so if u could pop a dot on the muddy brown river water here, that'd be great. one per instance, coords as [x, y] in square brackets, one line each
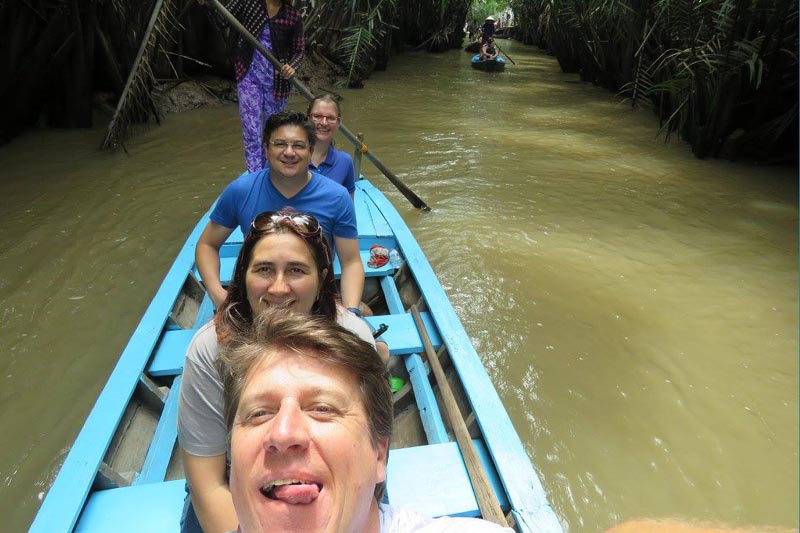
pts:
[636, 308]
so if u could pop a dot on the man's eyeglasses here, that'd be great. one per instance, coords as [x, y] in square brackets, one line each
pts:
[297, 146]
[302, 222]
[319, 118]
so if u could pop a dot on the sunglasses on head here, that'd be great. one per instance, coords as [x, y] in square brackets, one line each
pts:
[271, 219]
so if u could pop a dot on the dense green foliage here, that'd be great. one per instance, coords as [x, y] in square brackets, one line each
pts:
[484, 8]
[59, 53]
[355, 34]
[722, 73]
[436, 25]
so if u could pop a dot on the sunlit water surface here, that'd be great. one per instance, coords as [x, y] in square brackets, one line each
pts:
[635, 307]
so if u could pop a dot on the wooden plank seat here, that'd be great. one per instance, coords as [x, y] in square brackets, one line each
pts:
[369, 272]
[402, 337]
[154, 507]
[431, 480]
[170, 352]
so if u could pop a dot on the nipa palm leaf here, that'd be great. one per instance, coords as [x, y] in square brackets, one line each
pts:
[135, 103]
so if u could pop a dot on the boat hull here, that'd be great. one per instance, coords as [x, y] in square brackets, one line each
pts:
[123, 472]
[497, 64]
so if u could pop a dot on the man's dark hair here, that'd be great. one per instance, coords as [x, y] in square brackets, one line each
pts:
[289, 118]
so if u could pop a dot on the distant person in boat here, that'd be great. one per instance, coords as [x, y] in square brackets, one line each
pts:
[489, 49]
[487, 30]
[309, 411]
[326, 115]
[289, 140]
[285, 263]
[263, 89]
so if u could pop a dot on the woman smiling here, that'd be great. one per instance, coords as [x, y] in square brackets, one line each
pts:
[326, 115]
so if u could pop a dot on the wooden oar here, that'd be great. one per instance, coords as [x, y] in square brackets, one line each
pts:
[487, 501]
[415, 200]
[504, 53]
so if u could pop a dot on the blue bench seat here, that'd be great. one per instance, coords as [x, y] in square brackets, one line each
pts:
[154, 507]
[402, 337]
[431, 480]
[170, 352]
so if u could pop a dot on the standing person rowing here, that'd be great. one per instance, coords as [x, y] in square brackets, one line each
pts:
[263, 89]
[487, 30]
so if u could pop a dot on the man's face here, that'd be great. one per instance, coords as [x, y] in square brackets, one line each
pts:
[301, 456]
[288, 152]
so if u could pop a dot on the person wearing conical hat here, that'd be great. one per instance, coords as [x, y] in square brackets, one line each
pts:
[487, 30]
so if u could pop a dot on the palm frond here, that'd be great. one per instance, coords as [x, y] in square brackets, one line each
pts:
[135, 104]
[359, 40]
[709, 67]
[356, 49]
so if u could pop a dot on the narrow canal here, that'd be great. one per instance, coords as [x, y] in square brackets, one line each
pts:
[635, 307]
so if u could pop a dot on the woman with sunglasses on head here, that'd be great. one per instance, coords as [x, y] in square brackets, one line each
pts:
[285, 262]
[326, 115]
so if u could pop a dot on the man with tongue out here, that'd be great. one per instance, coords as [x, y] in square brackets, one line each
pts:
[309, 413]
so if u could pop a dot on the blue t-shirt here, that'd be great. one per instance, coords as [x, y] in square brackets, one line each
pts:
[337, 166]
[252, 193]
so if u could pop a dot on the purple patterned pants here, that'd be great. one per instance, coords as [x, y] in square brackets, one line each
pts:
[256, 104]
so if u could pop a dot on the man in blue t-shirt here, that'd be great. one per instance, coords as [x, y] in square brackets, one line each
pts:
[288, 142]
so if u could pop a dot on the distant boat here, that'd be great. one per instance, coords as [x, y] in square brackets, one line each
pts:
[124, 473]
[498, 64]
[504, 32]
[473, 47]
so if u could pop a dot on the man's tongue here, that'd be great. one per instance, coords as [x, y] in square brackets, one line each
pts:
[296, 494]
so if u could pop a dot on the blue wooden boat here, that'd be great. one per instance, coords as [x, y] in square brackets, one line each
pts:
[123, 472]
[498, 64]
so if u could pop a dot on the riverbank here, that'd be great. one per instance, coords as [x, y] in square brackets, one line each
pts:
[721, 76]
[210, 91]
